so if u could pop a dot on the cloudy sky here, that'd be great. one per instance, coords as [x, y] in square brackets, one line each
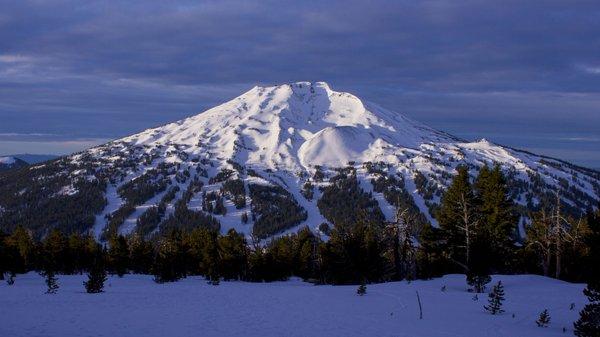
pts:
[521, 73]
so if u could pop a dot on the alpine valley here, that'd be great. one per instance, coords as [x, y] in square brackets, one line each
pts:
[269, 162]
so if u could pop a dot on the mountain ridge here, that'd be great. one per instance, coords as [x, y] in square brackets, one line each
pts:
[275, 150]
[11, 162]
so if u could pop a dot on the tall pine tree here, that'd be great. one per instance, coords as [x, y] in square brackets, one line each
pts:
[496, 215]
[118, 255]
[165, 267]
[458, 218]
[593, 242]
[588, 324]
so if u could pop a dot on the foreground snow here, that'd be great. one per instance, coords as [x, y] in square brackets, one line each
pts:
[136, 306]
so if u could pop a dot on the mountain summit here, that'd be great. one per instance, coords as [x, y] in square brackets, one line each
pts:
[269, 161]
[296, 126]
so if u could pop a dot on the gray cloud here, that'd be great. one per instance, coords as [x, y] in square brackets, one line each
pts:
[104, 69]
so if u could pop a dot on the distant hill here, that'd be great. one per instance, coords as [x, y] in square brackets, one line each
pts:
[34, 158]
[10, 162]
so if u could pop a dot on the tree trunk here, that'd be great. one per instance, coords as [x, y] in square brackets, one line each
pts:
[558, 236]
[466, 229]
[558, 256]
[547, 261]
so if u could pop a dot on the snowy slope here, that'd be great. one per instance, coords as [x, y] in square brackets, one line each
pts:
[281, 135]
[7, 160]
[10, 162]
[136, 306]
[293, 127]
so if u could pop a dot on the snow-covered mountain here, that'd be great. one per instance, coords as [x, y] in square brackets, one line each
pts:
[10, 162]
[272, 151]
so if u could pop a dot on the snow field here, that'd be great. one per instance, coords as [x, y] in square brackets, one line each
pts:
[136, 306]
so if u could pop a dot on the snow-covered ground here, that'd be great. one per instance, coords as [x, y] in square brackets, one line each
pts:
[136, 306]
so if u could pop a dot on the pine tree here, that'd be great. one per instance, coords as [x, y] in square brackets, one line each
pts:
[540, 239]
[588, 324]
[51, 282]
[220, 206]
[96, 277]
[431, 259]
[233, 254]
[457, 217]
[362, 289]
[3, 255]
[497, 216]
[55, 251]
[593, 242]
[210, 257]
[478, 281]
[495, 299]
[118, 255]
[11, 278]
[141, 254]
[400, 249]
[21, 248]
[544, 319]
[478, 275]
[164, 267]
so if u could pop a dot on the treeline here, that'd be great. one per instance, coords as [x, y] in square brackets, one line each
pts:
[44, 196]
[477, 235]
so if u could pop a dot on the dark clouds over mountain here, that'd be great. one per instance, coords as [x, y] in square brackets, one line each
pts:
[526, 74]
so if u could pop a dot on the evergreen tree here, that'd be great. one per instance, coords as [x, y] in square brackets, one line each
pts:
[76, 254]
[592, 240]
[3, 255]
[362, 289]
[10, 280]
[544, 319]
[141, 254]
[51, 282]
[478, 281]
[21, 250]
[210, 257]
[457, 217]
[588, 324]
[354, 254]
[401, 252]
[220, 206]
[118, 255]
[495, 299]
[96, 276]
[91, 250]
[540, 238]
[496, 212]
[431, 259]
[306, 254]
[478, 275]
[55, 251]
[233, 255]
[165, 267]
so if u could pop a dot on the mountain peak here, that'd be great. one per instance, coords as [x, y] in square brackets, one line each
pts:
[270, 154]
[296, 126]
